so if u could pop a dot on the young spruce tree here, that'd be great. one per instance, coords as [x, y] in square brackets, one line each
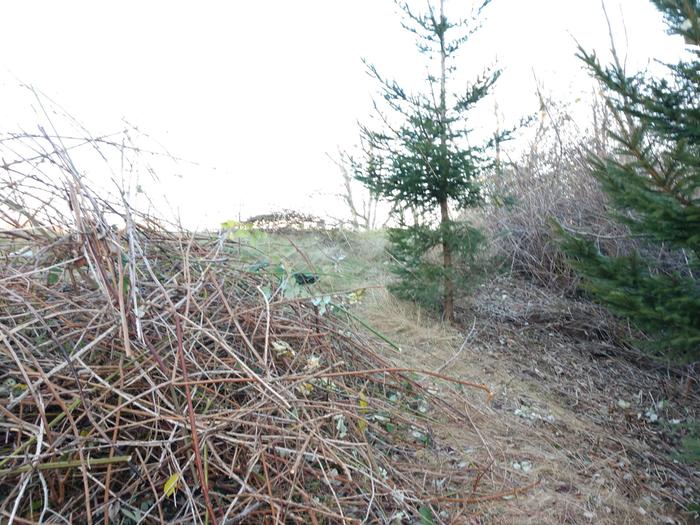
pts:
[423, 164]
[653, 182]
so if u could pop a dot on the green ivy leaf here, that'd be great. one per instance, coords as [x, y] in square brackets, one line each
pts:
[53, 276]
[171, 484]
[426, 516]
[126, 283]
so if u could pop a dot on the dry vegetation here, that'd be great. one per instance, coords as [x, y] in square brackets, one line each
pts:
[550, 182]
[594, 421]
[598, 424]
[150, 375]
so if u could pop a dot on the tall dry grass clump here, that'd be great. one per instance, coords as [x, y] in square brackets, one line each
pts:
[149, 376]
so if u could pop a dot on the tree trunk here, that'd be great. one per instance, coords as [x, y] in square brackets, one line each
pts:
[447, 264]
[444, 210]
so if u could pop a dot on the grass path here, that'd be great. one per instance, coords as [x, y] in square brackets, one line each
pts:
[591, 426]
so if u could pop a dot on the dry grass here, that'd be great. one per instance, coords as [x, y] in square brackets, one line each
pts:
[557, 373]
[558, 368]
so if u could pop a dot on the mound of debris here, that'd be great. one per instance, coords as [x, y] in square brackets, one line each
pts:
[287, 221]
[148, 376]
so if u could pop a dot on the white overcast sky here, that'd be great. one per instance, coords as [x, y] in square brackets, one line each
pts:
[258, 92]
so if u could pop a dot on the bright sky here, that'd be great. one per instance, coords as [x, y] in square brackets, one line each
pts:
[258, 92]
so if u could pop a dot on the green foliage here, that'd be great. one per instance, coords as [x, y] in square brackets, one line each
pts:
[241, 231]
[415, 252]
[424, 161]
[691, 449]
[426, 516]
[653, 183]
[54, 275]
[689, 446]
[419, 171]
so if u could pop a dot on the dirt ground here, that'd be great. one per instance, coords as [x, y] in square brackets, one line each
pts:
[594, 425]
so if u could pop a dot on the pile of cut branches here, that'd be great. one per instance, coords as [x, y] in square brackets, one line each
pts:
[148, 376]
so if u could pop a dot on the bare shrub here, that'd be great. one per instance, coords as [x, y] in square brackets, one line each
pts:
[361, 203]
[549, 182]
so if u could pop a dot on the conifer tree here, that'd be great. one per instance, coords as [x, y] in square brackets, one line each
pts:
[422, 163]
[653, 183]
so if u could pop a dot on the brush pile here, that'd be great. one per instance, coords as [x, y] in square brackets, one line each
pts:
[149, 376]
